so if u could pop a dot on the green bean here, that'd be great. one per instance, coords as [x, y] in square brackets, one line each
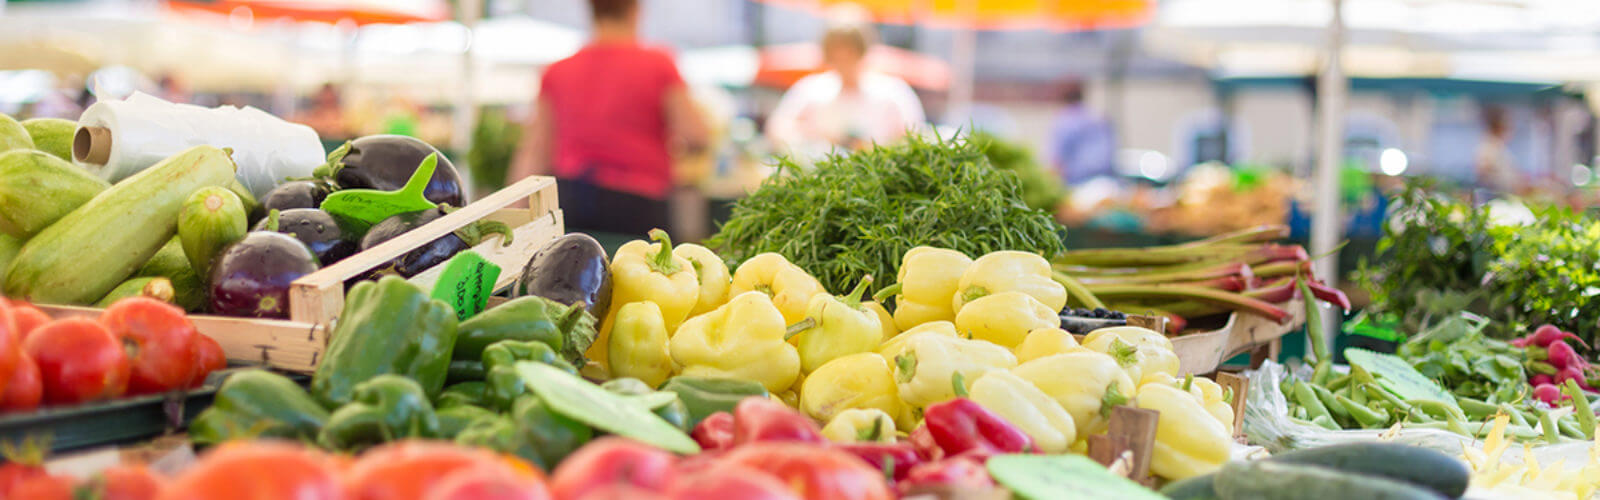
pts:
[1515, 414]
[1547, 423]
[1357, 392]
[1393, 400]
[1339, 382]
[1475, 408]
[1362, 375]
[1315, 334]
[1328, 402]
[1325, 422]
[1367, 417]
[1580, 404]
[1569, 428]
[1300, 413]
[1308, 400]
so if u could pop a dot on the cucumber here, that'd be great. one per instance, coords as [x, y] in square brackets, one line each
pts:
[210, 219]
[188, 289]
[1412, 464]
[1194, 488]
[84, 255]
[37, 189]
[1269, 480]
[146, 286]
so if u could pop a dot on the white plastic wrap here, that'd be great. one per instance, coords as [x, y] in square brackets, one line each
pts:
[145, 130]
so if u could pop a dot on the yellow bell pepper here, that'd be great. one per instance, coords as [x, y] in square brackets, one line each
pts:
[1044, 342]
[1010, 271]
[1138, 350]
[1189, 442]
[743, 339]
[860, 380]
[643, 271]
[926, 371]
[1087, 384]
[1005, 318]
[836, 326]
[711, 272]
[896, 345]
[858, 425]
[926, 281]
[1207, 392]
[788, 285]
[1025, 406]
[885, 320]
[639, 344]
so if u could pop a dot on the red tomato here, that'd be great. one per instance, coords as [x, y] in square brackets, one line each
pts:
[208, 357]
[729, 480]
[14, 472]
[406, 470]
[44, 487]
[257, 470]
[488, 484]
[79, 360]
[160, 341]
[10, 343]
[24, 391]
[28, 317]
[611, 460]
[620, 491]
[130, 482]
[813, 471]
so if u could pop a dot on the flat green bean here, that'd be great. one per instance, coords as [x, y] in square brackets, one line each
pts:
[1329, 402]
[1308, 400]
[1475, 408]
[1580, 405]
[1367, 417]
[1547, 423]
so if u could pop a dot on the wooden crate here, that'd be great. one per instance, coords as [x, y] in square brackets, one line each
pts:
[1200, 353]
[315, 300]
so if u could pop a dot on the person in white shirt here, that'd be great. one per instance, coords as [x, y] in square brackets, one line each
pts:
[846, 107]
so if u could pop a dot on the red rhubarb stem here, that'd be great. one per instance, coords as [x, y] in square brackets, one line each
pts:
[1235, 301]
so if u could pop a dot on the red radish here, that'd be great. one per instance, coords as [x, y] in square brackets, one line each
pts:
[1539, 379]
[1562, 356]
[1548, 393]
[1549, 334]
[1570, 373]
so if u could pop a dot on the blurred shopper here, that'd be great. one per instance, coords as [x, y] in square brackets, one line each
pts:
[1496, 169]
[603, 124]
[846, 106]
[1082, 143]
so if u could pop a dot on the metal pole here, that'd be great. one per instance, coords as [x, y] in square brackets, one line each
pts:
[1326, 220]
[963, 65]
[465, 116]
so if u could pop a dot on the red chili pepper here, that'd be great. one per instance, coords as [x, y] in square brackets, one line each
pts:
[760, 419]
[896, 459]
[926, 447]
[956, 471]
[960, 424]
[715, 432]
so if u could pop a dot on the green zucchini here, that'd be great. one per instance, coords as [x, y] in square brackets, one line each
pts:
[1194, 488]
[81, 257]
[155, 287]
[210, 219]
[1412, 464]
[37, 189]
[1269, 480]
[188, 289]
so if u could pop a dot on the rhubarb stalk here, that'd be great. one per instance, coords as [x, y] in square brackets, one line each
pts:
[1235, 301]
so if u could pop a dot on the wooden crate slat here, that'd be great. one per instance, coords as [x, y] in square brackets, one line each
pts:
[526, 239]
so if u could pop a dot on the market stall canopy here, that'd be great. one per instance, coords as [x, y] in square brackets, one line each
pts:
[782, 65]
[327, 11]
[1002, 14]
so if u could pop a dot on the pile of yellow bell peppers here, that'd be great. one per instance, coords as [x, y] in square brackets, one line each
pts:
[984, 328]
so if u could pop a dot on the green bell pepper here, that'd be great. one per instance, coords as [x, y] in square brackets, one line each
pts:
[462, 394]
[386, 408]
[464, 370]
[387, 326]
[664, 404]
[703, 396]
[258, 403]
[531, 432]
[455, 419]
[504, 385]
[569, 330]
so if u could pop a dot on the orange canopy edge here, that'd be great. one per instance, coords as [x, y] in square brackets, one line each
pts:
[325, 11]
[1068, 15]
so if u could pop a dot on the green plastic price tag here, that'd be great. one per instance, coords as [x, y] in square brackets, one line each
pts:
[466, 283]
[1065, 477]
[1397, 376]
[361, 208]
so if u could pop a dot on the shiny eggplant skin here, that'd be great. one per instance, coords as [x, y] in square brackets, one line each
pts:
[251, 277]
[386, 162]
[572, 268]
[328, 241]
[419, 259]
[295, 194]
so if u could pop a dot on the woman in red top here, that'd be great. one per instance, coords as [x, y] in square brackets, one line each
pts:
[605, 124]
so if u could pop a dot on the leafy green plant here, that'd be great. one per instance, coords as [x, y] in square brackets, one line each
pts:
[1455, 352]
[494, 141]
[1433, 252]
[1041, 188]
[1549, 272]
[855, 214]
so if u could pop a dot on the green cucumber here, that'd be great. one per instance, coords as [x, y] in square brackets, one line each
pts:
[1411, 464]
[1269, 480]
[155, 287]
[210, 219]
[81, 257]
[188, 289]
[1194, 488]
[37, 189]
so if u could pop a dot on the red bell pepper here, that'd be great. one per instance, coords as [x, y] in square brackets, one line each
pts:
[960, 472]
[895, 459]
[761, 419]
[926, 447]
[715, 432]
[612, 461]
[960, 425]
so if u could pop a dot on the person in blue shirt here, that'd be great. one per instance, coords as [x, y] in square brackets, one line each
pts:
[1082, 142]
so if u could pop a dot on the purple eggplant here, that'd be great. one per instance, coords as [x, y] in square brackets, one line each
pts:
[569, 270]
[252, 276]
[295, 194]
[386, 162]
[326, 239]
[418, 259]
